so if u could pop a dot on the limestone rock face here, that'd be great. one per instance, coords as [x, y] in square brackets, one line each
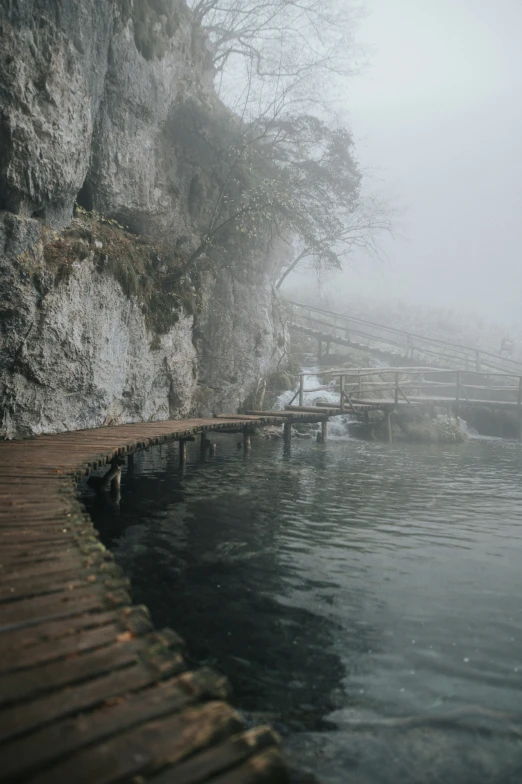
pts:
[78, 354]
[88, 105]
[53, 62]
[134, 173]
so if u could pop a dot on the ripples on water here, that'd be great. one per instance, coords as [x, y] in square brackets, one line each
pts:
[364, 598]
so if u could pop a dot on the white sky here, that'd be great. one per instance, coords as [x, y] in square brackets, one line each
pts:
[437, 117]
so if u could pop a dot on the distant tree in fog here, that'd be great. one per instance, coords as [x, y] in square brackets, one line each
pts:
[280, 38]
[287, 166]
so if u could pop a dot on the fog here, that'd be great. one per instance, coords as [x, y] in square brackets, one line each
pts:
[437, 117]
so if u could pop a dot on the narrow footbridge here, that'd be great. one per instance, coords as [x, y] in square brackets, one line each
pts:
[359, 391]
[389, 343]
[90, 691]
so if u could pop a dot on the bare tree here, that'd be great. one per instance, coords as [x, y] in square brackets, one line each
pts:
[356, 229]
[286, 177]
[277, 42]
[286, 166]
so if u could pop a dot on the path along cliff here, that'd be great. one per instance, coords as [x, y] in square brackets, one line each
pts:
[109, 104]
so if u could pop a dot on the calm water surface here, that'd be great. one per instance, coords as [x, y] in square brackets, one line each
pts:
[364, 598]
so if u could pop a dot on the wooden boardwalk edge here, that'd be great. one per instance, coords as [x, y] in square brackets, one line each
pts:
[90, 691]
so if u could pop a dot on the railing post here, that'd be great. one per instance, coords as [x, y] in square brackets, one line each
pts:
[341, 386]
[324, 430]
[396, 388]
[477, 362]
[301, 390]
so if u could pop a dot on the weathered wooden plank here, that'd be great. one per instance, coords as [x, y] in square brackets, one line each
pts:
[147, 748]
[33, 607]
[268, 766]
[40, 634]
[51, 743]
[30, 683]
[43, 610]
[46, 563]
[99, 562]
[44, 653]
[24, 717]
[224, 757]
[22, 588]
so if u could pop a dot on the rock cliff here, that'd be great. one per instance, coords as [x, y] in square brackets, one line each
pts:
[90, 98]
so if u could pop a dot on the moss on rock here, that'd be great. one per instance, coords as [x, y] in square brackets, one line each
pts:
[141, 266]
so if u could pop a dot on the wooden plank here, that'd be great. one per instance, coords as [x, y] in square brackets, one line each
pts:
[110, 592]
[147, 748]
[224, 757]
[24, 717]
[315, 409]
[40, 634]
[30, 567]
[41, 610]
[268, 766]
[49, 577]
[31, 752]
[30, 683]
[44, 653]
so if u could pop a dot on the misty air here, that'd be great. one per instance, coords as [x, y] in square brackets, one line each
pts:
[260, 392]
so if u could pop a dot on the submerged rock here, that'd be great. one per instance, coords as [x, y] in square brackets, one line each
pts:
[441, 429]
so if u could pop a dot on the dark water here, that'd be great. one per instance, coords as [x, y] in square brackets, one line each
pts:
[364, 598]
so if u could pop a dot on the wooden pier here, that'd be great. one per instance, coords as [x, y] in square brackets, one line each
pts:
[90, 691]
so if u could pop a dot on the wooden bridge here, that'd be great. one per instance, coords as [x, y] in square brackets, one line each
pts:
[389, 343]
[90, 691]
[361, 390]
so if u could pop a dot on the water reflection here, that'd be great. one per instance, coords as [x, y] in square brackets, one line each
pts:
[363, 597]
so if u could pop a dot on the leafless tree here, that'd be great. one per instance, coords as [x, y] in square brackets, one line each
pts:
[286, 166]
[286, 177]
[278, 42]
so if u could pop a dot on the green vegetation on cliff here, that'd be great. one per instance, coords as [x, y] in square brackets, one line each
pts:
[142, 267]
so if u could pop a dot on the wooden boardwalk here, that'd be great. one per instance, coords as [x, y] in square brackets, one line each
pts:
[90, 691]
[358, 390]
[389, 342]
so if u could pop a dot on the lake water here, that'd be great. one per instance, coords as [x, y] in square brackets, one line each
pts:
[364, 598]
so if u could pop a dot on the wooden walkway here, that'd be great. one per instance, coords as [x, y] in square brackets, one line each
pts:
[388, 342]
[358, 390]
[90, 691]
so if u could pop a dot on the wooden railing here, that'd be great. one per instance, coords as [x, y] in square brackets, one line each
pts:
[357, 388]
[342, 328]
